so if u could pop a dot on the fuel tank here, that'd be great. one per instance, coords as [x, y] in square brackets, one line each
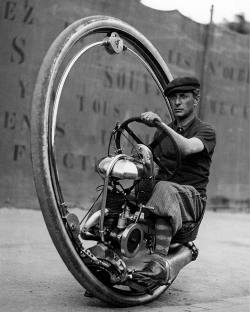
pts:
[122, 169]
[129, 167]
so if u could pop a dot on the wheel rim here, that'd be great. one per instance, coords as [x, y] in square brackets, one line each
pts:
[153, 66]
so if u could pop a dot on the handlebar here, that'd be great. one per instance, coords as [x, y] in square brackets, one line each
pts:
[158, 124]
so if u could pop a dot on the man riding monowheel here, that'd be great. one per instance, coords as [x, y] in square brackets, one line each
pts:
[180, 202]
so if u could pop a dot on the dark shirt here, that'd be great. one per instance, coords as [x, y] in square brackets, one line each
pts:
[194, 168]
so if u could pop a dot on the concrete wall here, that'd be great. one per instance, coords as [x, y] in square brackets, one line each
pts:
[117, 88]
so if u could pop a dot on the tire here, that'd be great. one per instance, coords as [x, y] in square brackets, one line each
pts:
[48, 190]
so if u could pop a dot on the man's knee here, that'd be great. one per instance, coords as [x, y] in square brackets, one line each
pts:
[165, 186]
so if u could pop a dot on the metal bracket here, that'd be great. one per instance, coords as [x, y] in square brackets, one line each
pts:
[73, 224]
[194, 249]
[114, 44]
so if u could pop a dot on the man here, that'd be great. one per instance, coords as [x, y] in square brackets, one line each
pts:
[182, 199]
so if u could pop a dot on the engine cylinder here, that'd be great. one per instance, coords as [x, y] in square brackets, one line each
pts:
[131, 239]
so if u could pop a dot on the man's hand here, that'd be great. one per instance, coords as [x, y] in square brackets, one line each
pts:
[151, 119]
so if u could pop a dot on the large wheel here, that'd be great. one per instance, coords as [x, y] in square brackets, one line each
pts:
[46, 100]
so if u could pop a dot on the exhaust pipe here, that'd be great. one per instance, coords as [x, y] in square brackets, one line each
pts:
[177, 259]
[91, 221]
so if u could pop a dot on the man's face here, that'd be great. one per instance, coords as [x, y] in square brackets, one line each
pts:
[182, 103]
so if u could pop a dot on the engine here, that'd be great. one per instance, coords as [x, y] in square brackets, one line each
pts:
[122, 229]
[117, 224]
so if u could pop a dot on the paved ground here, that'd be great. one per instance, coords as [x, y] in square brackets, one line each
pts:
[34, 278]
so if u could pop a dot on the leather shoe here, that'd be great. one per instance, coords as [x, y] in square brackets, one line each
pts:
[155, 272]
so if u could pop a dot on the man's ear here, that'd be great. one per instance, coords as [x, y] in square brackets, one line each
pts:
[196, 100]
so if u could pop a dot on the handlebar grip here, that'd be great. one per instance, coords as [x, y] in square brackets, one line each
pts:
[139, 119]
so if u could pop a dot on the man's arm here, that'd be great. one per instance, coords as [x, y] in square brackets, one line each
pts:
[186, 146]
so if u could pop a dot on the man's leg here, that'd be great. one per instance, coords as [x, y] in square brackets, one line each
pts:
[163, 235]
[171, 203]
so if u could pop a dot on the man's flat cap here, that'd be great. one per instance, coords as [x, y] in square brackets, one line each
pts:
[182, 84]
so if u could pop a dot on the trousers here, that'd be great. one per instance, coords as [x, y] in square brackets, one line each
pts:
[178, 203]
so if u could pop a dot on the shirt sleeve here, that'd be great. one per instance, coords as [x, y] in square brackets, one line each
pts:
[207, 135]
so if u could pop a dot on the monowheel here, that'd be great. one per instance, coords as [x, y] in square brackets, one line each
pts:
[114, 37]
